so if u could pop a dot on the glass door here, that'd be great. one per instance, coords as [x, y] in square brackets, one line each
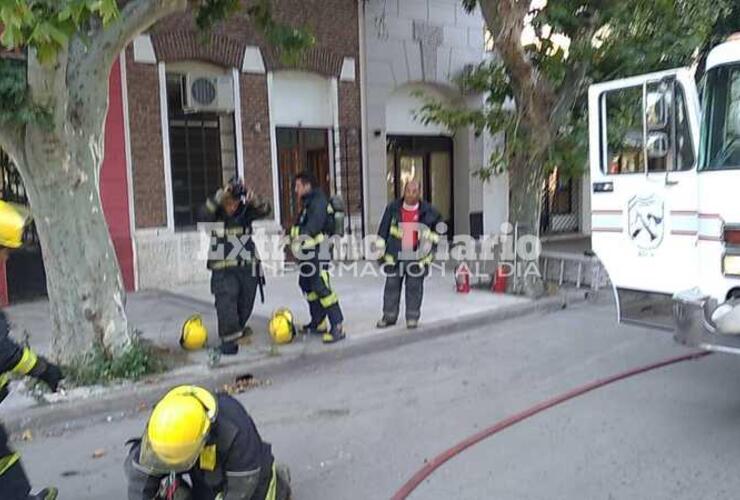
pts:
[427, 160]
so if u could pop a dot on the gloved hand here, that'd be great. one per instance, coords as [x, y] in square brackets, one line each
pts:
[48, 372]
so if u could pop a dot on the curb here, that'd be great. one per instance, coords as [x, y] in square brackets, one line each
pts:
[124, 401]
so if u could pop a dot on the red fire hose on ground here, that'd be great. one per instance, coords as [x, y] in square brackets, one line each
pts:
[432, 465]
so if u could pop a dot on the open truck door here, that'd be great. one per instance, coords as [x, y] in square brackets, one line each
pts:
[643, 136]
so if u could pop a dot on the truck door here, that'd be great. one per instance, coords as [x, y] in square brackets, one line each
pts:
[643, 137]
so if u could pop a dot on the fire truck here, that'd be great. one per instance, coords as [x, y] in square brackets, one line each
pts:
[665, 180]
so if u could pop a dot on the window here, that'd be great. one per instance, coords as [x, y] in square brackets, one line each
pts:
[624, 145]
[720, 142]
[648, 110]
[196, 155]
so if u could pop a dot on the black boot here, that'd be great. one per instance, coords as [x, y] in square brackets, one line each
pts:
[335, 335]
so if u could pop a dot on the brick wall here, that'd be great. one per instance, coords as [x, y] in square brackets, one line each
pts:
[334, 23]
[146, 144]
[256, 134]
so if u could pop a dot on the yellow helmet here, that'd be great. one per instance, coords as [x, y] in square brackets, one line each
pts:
[13, 222]
[178, 429]
[194, 333]
[281, 327]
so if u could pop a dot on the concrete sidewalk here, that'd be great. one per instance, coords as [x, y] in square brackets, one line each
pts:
[158, 315]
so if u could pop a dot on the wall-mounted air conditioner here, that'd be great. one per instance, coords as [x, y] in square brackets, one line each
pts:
[208, 93]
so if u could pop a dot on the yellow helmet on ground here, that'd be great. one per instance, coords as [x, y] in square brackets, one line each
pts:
[13, 222]
[194, 333]
[178, 429]
[282, 327]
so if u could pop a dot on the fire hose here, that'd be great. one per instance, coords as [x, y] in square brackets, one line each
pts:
[432, 465]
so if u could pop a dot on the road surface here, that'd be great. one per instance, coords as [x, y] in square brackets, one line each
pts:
[358, 428]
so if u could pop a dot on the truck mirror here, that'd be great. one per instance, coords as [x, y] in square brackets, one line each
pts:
[657, 145]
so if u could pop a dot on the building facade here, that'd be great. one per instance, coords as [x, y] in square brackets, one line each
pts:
[205, 108]
[189, 111]
[412, 51]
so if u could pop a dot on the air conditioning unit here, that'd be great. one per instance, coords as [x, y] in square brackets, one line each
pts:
[208, 93]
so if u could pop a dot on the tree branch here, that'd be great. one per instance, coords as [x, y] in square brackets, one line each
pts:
[136, 17]
[90, 62]
[575, 76]
[534, 95]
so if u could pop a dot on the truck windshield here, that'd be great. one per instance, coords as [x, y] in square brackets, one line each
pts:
[720, 131]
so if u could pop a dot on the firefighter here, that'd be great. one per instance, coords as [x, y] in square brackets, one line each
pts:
[18, 360]
[235, 267]
[211, 439]
[311, 247]
[407, 235]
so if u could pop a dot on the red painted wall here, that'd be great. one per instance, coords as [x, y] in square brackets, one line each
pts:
[114, 182]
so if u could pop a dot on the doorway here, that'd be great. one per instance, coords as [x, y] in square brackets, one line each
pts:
[427, 160]
[300, 149]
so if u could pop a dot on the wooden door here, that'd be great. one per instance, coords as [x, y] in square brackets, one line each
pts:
[300, 150]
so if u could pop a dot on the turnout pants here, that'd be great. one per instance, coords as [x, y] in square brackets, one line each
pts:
[14, 483]
[235, 290]
[315, 284]
[413, 274]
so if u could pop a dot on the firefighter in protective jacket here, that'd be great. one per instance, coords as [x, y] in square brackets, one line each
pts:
[21, 361]
[236, 273]
[311, 248]
[407, 234]
[211, 439]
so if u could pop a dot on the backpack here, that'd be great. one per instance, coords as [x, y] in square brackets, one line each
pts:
[335, 218]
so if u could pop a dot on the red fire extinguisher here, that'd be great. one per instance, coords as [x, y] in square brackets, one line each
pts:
[462, 278]
[499, 281]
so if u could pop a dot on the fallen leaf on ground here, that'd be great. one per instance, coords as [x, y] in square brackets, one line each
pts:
[99, 453]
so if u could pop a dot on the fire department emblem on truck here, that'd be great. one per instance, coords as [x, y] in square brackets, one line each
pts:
[646, 217]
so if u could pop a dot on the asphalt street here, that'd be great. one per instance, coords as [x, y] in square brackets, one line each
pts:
[357, 428]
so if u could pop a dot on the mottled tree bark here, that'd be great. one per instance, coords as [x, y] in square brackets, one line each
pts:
[60, 165]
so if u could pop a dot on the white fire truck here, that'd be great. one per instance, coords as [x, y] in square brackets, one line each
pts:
[665, 177]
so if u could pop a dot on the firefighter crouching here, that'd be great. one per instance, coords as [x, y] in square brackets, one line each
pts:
[236, 272]
[407, 235]
[18, 360]
[312, 229]
[211, 439]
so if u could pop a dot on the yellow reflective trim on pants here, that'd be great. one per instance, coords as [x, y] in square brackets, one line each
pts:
[294, 231]
[7, 462]
[396, 232]
[380, 243]
[27, 362]
[4, 379]
[329, 300]
[388, 259]
[272, 488]
[427, 260]
[312, 296]
[325, 278]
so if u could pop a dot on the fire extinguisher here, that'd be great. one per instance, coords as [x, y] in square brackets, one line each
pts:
[499, 282]
[462, 278]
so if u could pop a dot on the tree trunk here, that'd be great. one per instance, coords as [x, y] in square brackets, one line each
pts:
[60, 166]
[526, 177]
